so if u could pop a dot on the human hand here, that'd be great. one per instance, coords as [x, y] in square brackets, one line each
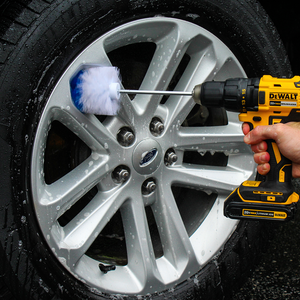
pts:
[287, 138]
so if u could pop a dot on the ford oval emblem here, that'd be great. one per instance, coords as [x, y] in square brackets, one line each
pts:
[148, 157]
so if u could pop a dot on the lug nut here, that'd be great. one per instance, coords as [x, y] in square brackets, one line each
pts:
[125, 136]
[170, 157]
[156, 126]
[120, 174]
[148, 187]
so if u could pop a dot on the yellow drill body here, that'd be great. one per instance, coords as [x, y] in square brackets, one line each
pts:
[277, 99]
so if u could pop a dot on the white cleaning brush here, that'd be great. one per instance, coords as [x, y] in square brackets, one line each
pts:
[91, 92]
[96, 90]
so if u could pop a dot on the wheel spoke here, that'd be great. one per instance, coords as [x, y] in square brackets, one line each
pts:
[230, 143]
[81, 232]
[141, 260]
[56, 198]
[88, 128]
[209, 63]
[216, 179]
[197, 138]
[169, 52]
[175, 240]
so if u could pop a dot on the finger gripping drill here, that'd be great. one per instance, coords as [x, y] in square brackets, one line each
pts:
[260, 101]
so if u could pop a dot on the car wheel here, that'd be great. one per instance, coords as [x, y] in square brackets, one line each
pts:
[102, 207]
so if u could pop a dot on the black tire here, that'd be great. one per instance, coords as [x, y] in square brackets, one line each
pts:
[38, 41]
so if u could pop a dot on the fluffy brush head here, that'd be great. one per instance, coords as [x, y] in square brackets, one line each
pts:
[92, 93]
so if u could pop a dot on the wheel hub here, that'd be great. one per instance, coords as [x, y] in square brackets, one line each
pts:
[147, 156]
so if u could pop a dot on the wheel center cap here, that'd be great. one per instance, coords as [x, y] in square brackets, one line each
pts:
[147, 156]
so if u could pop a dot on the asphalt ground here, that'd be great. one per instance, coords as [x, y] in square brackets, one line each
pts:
[277, 276]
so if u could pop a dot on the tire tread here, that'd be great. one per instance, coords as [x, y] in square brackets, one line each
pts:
[16, 17]
[4, 292]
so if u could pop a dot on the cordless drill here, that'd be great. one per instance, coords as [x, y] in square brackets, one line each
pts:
[260, 101]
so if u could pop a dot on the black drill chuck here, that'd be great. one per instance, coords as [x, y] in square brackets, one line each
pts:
[237, 95]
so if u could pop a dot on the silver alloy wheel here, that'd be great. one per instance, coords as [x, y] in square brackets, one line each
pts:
[184, 250]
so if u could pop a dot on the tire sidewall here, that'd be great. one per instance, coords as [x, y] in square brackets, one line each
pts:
[45, 51]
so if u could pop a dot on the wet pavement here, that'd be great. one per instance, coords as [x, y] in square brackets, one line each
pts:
[277, 276]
